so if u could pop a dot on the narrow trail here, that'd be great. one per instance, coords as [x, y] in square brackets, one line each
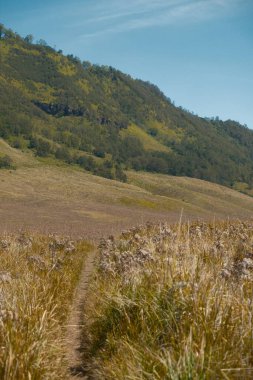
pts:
[76, 321]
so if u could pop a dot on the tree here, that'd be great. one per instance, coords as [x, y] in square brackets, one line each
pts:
[8, 33]
[29, 39]
[86, 64]
[42, 42]
[157, 164]
[43, 148]
[2, 31]
[119, 174]
[88, 163]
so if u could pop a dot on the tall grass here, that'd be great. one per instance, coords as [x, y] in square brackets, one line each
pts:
[37, 277]
[175, 303]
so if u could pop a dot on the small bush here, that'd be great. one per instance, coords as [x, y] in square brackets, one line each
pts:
[99, 153]
[43, 148]
[6, 162]
[88, 163]
[63, 154]
[18, 143]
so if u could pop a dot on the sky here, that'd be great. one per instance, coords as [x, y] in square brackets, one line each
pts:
[198, 52]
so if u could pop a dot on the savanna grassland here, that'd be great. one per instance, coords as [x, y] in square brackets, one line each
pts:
[86, 152]
[169, 301]
[134, 331]
[174, 302]
[48, 196]
[38, 277]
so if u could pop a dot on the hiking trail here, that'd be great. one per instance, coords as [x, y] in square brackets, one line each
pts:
[76, 321]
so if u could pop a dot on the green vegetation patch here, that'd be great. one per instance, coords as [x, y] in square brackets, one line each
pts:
[67, 69]
[44, 92]
[165, 133]
[84, 84]
[148, 141]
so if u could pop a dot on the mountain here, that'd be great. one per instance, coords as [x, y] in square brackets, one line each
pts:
[107, 123]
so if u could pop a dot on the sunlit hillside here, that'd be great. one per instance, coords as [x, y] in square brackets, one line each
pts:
[106, 122]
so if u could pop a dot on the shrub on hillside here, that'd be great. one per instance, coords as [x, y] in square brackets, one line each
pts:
[88, 163]
[42, 147]
[63, 154]
[6, 162]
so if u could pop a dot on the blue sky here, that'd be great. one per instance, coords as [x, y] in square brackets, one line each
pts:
[199, 52]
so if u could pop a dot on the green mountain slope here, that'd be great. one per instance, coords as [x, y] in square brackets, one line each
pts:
[107, 122]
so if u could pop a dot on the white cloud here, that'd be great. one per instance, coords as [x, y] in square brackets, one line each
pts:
[114, 16]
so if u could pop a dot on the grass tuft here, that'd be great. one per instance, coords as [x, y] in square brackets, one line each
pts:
[37, 279]
[175, 303]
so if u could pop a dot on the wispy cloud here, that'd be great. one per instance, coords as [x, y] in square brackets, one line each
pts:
[115, 16]
[118, 9]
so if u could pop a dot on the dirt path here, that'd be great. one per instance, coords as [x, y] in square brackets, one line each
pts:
[76, 322]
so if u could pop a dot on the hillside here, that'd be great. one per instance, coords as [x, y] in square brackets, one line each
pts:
[108, 123]
[47, 195]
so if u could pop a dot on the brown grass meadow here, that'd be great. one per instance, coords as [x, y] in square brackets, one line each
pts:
[48, 196]
[37, 281]
[174, 302]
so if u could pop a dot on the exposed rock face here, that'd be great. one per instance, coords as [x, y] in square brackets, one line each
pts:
[60, 109]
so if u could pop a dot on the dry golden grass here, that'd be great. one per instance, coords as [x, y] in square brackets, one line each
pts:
[49, 196]
[175, 302]
[172, 302]
[37, 278]
[196, 195]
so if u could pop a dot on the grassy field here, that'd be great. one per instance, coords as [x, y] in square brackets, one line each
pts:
[174, 302]
[46, 195]
[171, 302]
[37, 279]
